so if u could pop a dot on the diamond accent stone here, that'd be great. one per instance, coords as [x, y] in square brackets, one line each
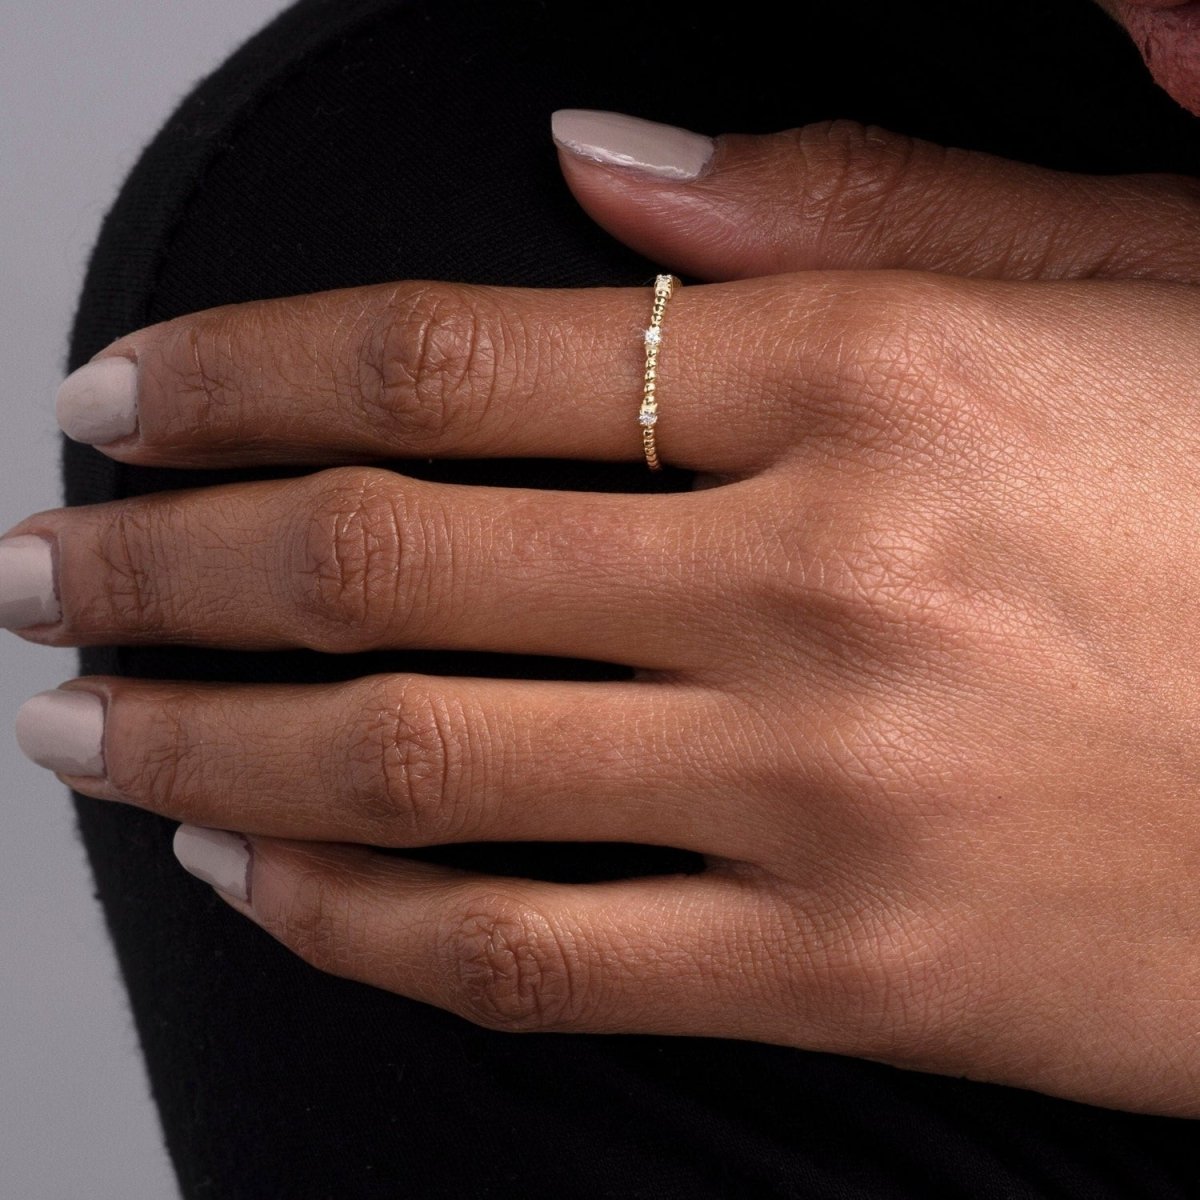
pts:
[653, 335]
[647, 417]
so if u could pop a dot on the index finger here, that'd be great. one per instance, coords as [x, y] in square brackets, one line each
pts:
[440, 370]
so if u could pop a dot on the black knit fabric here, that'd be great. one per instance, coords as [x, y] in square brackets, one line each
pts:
[356, 141]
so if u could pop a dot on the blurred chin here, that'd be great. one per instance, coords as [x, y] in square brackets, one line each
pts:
[1167, 32]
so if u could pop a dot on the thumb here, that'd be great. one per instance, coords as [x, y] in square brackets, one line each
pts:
[842, 195]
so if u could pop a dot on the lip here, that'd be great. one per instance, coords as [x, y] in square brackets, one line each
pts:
[1157, 16]
[1168, 35]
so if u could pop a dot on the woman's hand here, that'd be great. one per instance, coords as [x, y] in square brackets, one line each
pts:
[920, 676]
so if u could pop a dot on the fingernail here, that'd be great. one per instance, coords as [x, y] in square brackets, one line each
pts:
[219, 858]
[616, 140]
[98, 403]
[27, 592]
[63, 731]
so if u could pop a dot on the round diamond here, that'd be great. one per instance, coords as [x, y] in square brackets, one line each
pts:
[647, 417]
[653, 335]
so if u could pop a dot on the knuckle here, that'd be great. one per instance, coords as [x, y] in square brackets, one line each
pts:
[312, 922]
[877, 584]
[432, 360]
[152, 772]
[890, 979]
[850, 171]
[138, 592]
[406, 772]
[897, 372]
[355, 544]
[511, 969]
[197, 358]
[883, 761]
[162, 773]
[921, 974]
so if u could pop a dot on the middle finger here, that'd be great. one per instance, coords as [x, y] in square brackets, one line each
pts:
[360, 558]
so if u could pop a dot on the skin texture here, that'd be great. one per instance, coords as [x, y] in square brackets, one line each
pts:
[916, 673]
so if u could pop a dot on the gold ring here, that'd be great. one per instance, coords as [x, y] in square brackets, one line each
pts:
[664, 288]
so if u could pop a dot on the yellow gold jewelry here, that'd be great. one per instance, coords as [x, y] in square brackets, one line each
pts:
[664, 289]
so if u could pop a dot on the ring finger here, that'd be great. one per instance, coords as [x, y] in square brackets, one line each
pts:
[450, 371]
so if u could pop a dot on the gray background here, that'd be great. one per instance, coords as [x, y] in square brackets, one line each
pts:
[83, 86]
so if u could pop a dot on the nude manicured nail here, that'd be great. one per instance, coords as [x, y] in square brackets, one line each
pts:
[27, 593]
[616, 140]
[219, 858]
[63, 731]
[98, 403]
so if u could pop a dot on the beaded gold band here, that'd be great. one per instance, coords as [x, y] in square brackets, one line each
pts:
[664, 289]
